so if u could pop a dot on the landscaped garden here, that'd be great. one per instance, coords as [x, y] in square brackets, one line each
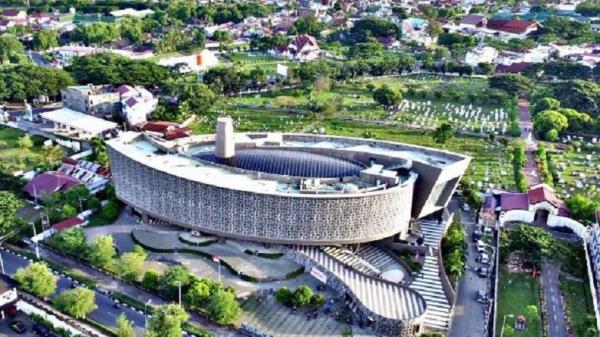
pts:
[19, 152]
[516, 291]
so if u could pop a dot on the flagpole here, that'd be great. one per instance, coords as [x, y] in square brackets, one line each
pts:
[219, 271]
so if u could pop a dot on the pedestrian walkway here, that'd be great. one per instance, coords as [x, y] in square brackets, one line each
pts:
[427, 282]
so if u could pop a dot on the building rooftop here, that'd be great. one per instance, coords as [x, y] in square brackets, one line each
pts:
[78, 120]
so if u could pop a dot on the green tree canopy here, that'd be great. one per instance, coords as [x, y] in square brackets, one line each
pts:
[387, 96]
[130, 265]
[9, 205]
[9, 47]
[546, 103]
[166, 321]
[37, 279]
[308, 25]
[533, 243]
[45, 39]
[443, 133]
[124, 327]
[76, 302]
[513, 84]
[223, 307]
[102, 250]
[583, 208]
[131, 29]
[96, 33]
[548, 120]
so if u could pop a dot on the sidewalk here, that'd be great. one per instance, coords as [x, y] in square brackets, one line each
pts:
[109, 283]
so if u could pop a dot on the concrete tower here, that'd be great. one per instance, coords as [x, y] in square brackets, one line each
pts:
[225, 144]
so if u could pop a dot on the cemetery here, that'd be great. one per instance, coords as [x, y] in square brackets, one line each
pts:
[576, 169]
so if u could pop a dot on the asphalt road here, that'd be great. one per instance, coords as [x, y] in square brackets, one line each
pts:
[468, 315]
[106, 313]
[550, 281]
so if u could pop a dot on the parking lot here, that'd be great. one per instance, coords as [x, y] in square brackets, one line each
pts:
[6, 330]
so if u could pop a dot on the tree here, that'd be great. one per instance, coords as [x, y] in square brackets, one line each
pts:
[68, 211]
[224, 38]
[302, 296]
[76, 302]
[166, 321]
[308, 25]
[25, 142]
[284, 295]
[199, 98]
[583, 208]
[174, 277]
[434, 28]
[546, 103]
[151, 279]
[365, 29]
[579, 95]
[45, 39]
[443, 133]
[130, 265]
[199, 292]
[532, 313]
[131, 29]
[124, 327]
[549, 120]
[99, 151]
[95, 34]
[508, 330]
[52, 155]
[223, 307]
[110, 211]
[9, 205]
[37, 279]
[532, 242]
[513, 84]
[9, 47]
[102, 250]
[387, 96]
[589, 8]
[72, 240]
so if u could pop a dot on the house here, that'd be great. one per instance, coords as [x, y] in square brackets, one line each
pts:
[39, 19]
[414, 29]
[301, 48]
[6, 24]
[595, 24]
[510, 29]
[74, 124]
[131, 12]
[48, 183]
[71, 222]
[166, 130]
[472, 21]
[480, 54]
[91, 99]
[17, 16]
[137, 104]
[8, 296]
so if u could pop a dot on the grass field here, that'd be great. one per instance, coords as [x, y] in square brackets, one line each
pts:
[578, 301]
[251, 60]
[12, 157]
[515, 292]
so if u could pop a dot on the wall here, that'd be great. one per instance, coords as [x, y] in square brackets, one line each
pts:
[347, 218]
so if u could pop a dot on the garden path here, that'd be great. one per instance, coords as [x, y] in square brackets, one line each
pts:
[531, 169]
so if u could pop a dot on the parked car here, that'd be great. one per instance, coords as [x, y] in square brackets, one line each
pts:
[483, 272]
[476, 235]
[483, 258]
[480, 246]
[482, 296]
[466, 207]
[40, 330]
[18, 326]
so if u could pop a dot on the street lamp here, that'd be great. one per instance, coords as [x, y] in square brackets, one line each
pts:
[145, 316]
[179, 286]
[37, 247]
[504, 322]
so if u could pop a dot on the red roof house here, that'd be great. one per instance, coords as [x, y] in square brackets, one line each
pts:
[68, 223]
[48, 183]
[516, 27]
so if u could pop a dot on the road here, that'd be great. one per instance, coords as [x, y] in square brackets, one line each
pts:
[555, 319]
[468, 316]
[526, 126]
[106, 313]
[113, 284]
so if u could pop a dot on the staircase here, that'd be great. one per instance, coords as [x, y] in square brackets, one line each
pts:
[427, 282]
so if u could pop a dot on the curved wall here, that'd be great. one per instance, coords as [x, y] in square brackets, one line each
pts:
[278, 217]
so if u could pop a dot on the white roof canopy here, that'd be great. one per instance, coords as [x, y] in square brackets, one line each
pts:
[79, 121]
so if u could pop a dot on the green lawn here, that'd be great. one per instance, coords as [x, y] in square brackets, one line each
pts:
[578, 302]
[517, 291]
[13, 158]
[251, 60]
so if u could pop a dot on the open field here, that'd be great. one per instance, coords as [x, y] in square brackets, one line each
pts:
[252, 60]
[517, 291]
[12, 157]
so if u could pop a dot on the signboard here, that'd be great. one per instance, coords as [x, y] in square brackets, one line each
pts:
[282, 70]
[318, 275]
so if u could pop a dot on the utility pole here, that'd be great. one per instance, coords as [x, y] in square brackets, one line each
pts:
[179, 286]
[37, 247]
[145, 315]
